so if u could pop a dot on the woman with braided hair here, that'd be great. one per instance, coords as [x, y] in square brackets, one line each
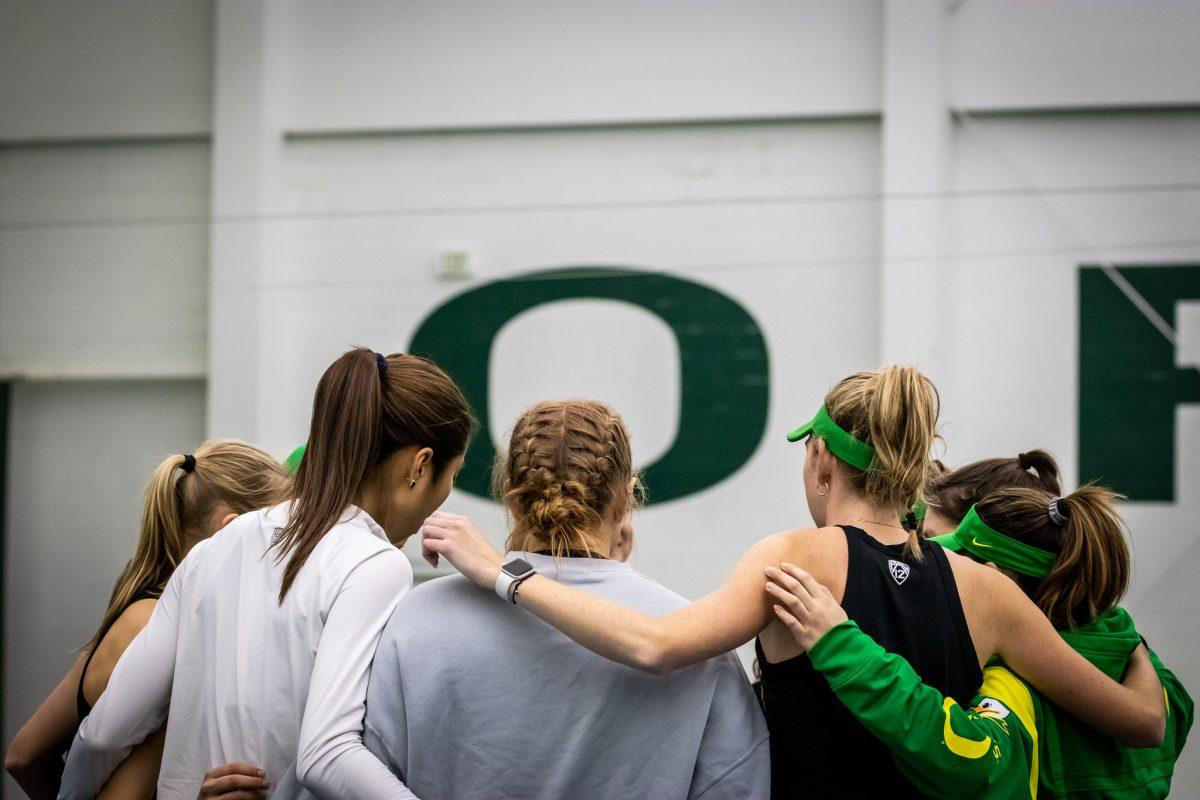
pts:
[867, 463]
[470, 698]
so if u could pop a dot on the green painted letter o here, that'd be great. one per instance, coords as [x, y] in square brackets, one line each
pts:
[724, 371]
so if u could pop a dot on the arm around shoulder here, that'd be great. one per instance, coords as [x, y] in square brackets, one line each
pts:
[717, 623]
[1133, 713]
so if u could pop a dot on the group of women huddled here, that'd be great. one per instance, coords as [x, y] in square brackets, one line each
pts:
[934, 633]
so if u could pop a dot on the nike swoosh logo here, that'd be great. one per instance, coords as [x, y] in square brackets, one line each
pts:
[978, 543]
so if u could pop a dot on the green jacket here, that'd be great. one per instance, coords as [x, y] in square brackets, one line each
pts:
[1011, 742]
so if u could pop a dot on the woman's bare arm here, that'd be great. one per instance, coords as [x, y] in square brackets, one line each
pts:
[34, 756]
[715, 624]
[1133, 713]
[137, 776]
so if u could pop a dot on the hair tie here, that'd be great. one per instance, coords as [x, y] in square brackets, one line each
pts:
[1056, 516]
[381, 362]
[1023, 460]
[189, 463]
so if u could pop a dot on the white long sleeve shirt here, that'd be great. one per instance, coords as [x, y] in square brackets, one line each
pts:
[240, 677]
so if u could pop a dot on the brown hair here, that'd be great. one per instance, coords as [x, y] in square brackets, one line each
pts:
[1091, 571]
[177, 506]
[895, 411]
[363, 412]
[953, 493]
[566, 468]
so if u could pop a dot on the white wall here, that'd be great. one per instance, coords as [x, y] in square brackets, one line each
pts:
[104, 259]
[370, 65]
[799, 156]
[1073, 53]
[74, 69]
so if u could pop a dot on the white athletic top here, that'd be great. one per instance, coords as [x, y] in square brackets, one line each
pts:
[247, 679]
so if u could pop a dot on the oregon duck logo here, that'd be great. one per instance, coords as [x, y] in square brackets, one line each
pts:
[899, 571]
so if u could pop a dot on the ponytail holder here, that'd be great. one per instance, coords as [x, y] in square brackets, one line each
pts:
[189, 463]
[381, 363]
[1056, 516]
[1023, 460]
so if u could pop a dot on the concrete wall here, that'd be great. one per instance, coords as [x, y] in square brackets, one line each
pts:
[871, 181]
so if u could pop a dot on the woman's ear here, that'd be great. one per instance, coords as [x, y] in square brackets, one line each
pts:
[825, 463]
[421, 460]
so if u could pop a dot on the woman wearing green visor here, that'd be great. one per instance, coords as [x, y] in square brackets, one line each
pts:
[866, 462]
[1069, 555]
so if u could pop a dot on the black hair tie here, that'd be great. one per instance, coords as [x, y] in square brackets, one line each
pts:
[189, 462]
[1023, 460]
[381, 362]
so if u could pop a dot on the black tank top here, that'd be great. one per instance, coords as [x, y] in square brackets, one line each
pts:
[81, 704]
[910, 607]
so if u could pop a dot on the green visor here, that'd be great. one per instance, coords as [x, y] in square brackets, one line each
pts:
[988, 544]
[292, 462]
[854, 452]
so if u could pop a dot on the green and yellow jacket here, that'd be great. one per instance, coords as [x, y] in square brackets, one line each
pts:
[1011, 742]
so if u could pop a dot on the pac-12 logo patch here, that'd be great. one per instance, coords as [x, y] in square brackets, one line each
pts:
[899, 571]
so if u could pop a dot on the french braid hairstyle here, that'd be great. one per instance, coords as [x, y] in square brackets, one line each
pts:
[567, 470]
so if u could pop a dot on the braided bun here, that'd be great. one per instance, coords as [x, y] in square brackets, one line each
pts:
[564, 474]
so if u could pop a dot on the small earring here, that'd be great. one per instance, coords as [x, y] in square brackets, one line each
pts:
[824, 492]
[412, 484]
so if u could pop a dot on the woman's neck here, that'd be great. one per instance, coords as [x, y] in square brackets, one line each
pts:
[592, 542]
[880, 522]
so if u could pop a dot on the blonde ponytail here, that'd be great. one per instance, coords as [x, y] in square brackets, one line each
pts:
[178, 504]
[896, 412]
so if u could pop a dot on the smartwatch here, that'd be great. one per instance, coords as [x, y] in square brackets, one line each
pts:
[511, 576]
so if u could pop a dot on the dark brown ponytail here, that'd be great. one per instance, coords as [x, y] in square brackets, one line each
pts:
[365, 409]
[1091, 568]
[953, 493]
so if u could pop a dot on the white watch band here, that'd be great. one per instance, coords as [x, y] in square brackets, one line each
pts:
[503, 582]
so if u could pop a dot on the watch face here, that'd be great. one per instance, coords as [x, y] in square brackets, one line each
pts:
[518, 567]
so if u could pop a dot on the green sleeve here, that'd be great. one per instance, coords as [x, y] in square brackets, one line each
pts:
[944, 750]
[1180, 708]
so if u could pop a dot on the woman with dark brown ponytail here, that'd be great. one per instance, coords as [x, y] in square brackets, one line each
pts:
[952, 493]
[261, 643]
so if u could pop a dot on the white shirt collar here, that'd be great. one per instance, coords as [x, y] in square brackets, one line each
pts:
[354, 513]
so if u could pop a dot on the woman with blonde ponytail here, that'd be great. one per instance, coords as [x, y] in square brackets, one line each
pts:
[1070, 557]
[262, 640]
[867, 463]
[189, 498]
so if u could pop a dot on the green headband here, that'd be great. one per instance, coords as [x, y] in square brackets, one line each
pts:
[854, 452]
[977, 538]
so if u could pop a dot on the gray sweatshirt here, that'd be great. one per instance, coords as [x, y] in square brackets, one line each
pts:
[473, 698]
